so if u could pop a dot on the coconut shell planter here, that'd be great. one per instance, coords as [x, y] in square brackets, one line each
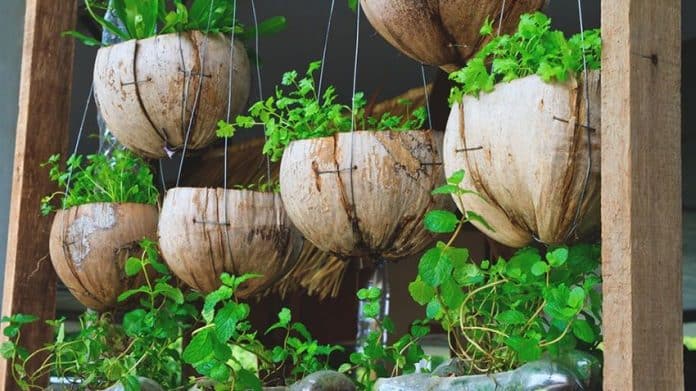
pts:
[444, 33]
[150, 91]
[363, 195]
[90, 244]
[524, 148]
[205, 232]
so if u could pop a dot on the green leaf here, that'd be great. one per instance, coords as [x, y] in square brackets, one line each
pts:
[353, 4]
[487, 28]
[440, 221]
[130, 383]
[369, 293]
[557, 257]
[432, 311]
[85, 39]
[226, 321]
[371, 309]
[452, 294]
[540, 268]
[212, 299]
[583, 331]
[247, 381]
[200, 347]
[527, 349]
[433, 268]
[284, 316]
[220, 373]
[511, 317]
[476, 218]
[421, 292]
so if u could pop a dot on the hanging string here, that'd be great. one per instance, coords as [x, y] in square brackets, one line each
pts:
[353, 124]
[500, 22]
[228, 116]
[258, 73]
[427, 96]
[198, 92]
[586, 85]
[161, 175]
[323, 54]
[79, 135]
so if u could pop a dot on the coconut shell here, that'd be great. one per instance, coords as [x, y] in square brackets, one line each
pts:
[524, 148]
[147, 90]
[390, 186]
[89, 245]
[200, 238]
[443, 33]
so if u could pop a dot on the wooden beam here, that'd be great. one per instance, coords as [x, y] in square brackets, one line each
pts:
[641, 194]
[42, 130]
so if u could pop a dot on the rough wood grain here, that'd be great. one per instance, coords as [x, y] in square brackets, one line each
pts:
[205, 232]
[641, 195]
[524, 148]
[444, 33]
[147, 90]
[42, 130]
[90, 244]
[370, 205]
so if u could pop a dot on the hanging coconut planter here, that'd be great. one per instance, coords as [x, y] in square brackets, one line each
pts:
[89, 245]
[205, 232]
[151, 91]
[363, 194]
[443, 33]
[525, 149]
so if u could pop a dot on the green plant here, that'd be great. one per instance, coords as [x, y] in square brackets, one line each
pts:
[120, 177]
[504, 313]
[296, 112]
[377, 359]
[147, 343]
[533, 49]
[690, 343]
[227, 351]
[147, 18]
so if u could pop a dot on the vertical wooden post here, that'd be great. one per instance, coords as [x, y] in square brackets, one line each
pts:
[42, 130]
[641, 195]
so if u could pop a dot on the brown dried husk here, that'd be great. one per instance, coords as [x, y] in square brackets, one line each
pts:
[374, 210]
[524, 148]
[148, 90]
[200, 238]
[443, 33]
[89, 245]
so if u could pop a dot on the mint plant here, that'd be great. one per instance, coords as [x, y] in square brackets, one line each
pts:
[502, 314]
[120, 177]
[533, 49]
[296, 112]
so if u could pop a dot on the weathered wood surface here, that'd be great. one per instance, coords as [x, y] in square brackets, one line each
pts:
[524, 148]
[90, 244]
[205, 232]
[444, 33]
[641, 195]
[42, 130]
[148, 90]
[371, 204]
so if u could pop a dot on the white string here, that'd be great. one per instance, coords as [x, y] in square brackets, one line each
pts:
[427, 97]
[79, 136]
[229, 98]
[258, 72]
[500, 22]
[352, 126]
[323, 55]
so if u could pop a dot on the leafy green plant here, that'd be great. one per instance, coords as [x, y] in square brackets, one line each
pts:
[502, 314]
[147, 343]
[120, 177]
[227, 351]
[296, 112]
[377, 359]
[533, 49]
[147, 18]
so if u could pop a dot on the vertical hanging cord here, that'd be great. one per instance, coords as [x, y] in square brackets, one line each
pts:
[198, 93]
[353, 124]
[323, 54]
[229, 95]
[258, 72]
[500, 22]
[427, 96]
[79, 135]
[586, 85]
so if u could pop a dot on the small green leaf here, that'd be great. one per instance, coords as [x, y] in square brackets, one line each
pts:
[421, 292]
[456, 178]
[583, 331]
[200, 347]
[433, 268]
[432, 311]
[540, 268]
[511, 317]
[527, 349]
[557, 257]
[441, 221]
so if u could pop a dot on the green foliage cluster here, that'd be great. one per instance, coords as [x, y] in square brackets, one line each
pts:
[296, 112]
[533, 49]
[502, 314]
[377, 359]
[147, 18]
[119, 177]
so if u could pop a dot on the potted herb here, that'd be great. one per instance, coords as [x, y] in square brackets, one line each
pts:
[107, 205]
[442, 33]
[519, 126]
[175, 73]
[357, 194]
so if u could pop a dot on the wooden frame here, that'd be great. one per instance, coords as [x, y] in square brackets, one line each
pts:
[641, 184]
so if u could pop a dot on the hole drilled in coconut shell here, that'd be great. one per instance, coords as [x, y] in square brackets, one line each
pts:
[200, 238]
[90, 244]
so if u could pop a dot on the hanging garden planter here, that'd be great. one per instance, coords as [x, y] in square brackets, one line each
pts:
[205, 232]
[442, 33]
[152, 92]
[530, 147]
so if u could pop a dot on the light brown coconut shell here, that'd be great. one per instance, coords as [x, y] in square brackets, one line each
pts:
[199, 242]
[147, 90]
[524, 149]
[393, 176]
[443, 33]
[89, 246]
